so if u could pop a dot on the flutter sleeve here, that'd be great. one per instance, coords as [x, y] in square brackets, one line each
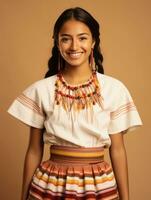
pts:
[124, 116]
[28, 107]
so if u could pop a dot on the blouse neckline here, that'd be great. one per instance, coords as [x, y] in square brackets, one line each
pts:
[88, 81]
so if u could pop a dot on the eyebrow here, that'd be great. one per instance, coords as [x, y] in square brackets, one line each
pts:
[80, 34]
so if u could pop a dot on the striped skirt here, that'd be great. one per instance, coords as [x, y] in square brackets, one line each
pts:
[74, 174]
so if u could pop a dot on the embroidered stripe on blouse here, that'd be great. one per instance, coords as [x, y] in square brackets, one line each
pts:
[26, 101]
[123, 110]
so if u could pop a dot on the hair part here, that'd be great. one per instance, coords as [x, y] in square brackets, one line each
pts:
[81, 15]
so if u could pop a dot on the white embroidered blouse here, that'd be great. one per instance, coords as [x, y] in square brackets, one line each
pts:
[88, 127]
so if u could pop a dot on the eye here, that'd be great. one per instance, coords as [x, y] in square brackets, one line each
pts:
[83, 38]
[65, 39]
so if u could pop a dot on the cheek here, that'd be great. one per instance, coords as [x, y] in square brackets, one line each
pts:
[87, 46]
[62, 50]
[63, 47]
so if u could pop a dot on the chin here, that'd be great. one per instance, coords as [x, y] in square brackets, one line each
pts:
[74, 64]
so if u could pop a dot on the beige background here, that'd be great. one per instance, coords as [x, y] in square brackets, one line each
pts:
[25, 41]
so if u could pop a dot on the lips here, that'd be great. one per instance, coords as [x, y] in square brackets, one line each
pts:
[75, 55]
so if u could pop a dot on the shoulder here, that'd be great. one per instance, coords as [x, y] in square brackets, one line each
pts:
[41, 87]
[114, 91]
[44, 83]
[110, 82]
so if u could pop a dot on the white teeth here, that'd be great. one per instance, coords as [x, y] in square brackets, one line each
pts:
[75, 55]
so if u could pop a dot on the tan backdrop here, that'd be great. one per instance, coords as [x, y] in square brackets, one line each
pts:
[26, 31]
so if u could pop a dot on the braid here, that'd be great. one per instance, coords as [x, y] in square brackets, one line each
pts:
[98, 57]
[53, 62]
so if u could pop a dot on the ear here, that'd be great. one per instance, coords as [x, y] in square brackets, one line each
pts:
[93, 43]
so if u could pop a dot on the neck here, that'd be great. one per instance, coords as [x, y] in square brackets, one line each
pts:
[77, 74]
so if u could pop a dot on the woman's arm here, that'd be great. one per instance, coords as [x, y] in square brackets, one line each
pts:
[32, 159]
[119, 164]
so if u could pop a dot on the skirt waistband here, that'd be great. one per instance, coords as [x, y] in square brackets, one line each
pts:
[77, 155]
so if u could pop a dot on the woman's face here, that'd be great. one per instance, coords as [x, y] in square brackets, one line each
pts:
[75, 43]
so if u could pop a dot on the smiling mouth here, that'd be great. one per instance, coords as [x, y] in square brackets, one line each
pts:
[75, 54]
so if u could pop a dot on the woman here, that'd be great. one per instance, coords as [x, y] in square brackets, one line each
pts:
[79, 111]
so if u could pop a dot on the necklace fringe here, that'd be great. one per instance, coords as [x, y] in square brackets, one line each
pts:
[79, 97]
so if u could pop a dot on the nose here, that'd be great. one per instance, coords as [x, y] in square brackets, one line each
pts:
[74, 44]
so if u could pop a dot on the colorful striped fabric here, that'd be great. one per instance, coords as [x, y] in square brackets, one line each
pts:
[74, 174]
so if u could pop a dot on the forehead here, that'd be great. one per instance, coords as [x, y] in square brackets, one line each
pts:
[74, 27]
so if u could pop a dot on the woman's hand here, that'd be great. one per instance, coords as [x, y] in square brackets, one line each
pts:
[32, 159]
[119, 164]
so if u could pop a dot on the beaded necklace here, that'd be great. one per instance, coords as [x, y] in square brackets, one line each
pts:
[79, 97]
